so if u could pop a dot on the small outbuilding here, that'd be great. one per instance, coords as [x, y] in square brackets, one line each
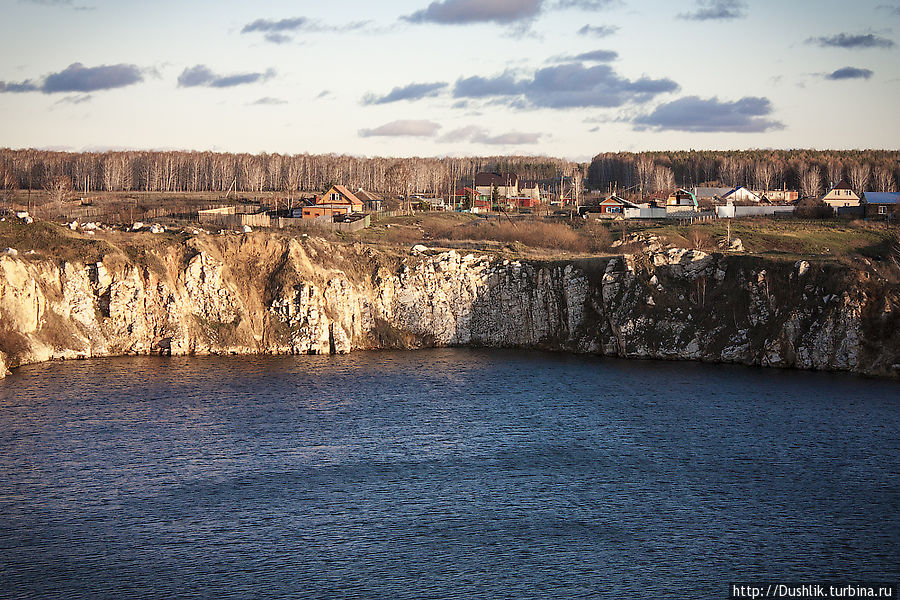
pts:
[881, 205]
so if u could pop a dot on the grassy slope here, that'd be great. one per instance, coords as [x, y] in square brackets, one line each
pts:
[864, 245]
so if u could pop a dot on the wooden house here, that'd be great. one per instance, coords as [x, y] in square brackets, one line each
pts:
[507, 184]
[841, 198]
[610, 207]
[338, 200]
[881, 205]
[371, 201]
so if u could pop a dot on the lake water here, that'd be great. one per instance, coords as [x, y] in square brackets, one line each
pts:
[440, 474]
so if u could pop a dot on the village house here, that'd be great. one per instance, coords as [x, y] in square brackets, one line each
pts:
[371, 201]
[532, 189]
[521, 201]
[338, 200]
[507, 184]
[781, 196]
[482, 204]
[464, 197]
[709, 193]
[681, 200]
[610, 207]
[741, 194]
[842, 199]
[436, 203]
[881, 205]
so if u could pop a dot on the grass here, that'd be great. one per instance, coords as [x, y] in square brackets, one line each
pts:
[835, 238]
[52, 241]
[546, 238]
[520, 235]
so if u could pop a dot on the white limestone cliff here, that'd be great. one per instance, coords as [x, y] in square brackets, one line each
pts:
[276, 295]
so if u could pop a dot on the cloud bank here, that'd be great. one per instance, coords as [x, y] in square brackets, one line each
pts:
[413, 91]
[598, 31]
[565, 86]
[697, 115]
[403, 128]
[203, 76]
[717, 10]
[850, 73]
[281, 31]
[78, 78]
[460, 12]
[851, 41]
[480, 135]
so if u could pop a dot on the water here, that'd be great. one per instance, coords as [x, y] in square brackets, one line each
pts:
[440, 474]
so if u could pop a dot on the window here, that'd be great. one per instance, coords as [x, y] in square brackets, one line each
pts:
[882, 210]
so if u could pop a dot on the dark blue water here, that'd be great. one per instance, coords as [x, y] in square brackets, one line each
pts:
[440, 474]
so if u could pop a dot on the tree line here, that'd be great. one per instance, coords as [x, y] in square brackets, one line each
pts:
[808, 171]
[177, 171]
[811, 172]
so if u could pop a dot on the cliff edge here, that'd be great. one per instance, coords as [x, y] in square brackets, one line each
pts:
[267, 293]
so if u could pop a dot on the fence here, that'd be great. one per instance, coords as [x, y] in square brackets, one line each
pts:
[692, 217]
[225, 216]
[648, 212]
[322, 223]
[731, 211]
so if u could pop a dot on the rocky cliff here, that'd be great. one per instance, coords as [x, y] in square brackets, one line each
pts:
[260, 293]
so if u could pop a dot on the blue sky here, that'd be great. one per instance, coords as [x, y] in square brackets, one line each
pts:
[564, 78]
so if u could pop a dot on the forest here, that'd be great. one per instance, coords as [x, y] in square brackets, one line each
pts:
[809, 171]
[176, 171]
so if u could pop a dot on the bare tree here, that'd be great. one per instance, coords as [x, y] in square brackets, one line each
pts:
[763, 174]
[835, 172]
[59, 188]
[663, 179]
[778, 168]
[643, 170]
[884, 179]
[397, 179]
[811, 182]
[731, 171]
[859, 177]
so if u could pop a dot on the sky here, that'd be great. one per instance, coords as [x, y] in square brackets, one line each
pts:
[564, 78]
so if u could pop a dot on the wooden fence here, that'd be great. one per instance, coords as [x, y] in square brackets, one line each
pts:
[225, 216]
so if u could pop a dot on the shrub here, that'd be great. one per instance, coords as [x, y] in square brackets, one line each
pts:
[813, 208]
[598, 235]
[699, 239]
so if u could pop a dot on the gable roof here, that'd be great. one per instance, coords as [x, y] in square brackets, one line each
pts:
[734, 191]
[613, 199]
[841, 185]
[343, 191]
[367, 196]
[882, 197]
[710, 192]
[498, 179]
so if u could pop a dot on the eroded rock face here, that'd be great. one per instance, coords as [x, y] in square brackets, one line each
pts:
[663, 303]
